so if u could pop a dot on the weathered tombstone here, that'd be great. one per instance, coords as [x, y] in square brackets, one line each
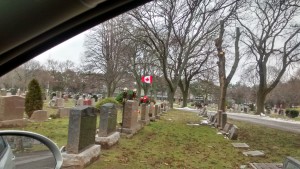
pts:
[12, 111]
[64, 112]
[79, 102]
[81, 149]
[82, 129]
[108, 119]
[156, 112]
[39, 115]
[145, 114]
[130, 123]
[107, 135]
[227, 127]
[233, 133]
[60, 102]
[3, 92]
[151, 112]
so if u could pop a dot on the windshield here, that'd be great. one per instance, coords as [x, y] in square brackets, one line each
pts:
[193, 84]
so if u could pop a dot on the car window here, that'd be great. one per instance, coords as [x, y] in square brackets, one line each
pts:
[3, 146]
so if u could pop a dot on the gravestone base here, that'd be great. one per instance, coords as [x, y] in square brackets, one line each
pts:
[132, 130]
[13, 123]
[109, 141]
[145, 122]
[81, 160]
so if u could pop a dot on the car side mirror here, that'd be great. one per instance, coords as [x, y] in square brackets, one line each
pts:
[27, 148]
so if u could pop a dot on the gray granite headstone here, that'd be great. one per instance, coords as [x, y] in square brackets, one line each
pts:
[255, 153]
[82, 129]
[240, 145]
[108, 119]
[227, 127]
[233, 133]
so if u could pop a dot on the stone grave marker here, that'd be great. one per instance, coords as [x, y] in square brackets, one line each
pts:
[79, 102]
[39, 115]
[108, 119]
[12, 107]
[226, 128]
[240, 145]
[151, 112]
[145, 114]
[130, 123]
[64, 112]
[156, 112]
[233, 132]
[82, 129]
[255, 153]
[60, 102]
[107, 135]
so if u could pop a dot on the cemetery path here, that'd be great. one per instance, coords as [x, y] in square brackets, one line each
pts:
[285, 125]
[280, 124]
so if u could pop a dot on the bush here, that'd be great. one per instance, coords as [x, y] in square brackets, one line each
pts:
[106, 100]
[33, 100]
[292, 113]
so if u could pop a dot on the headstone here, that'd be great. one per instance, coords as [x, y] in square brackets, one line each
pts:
[64, 112]
[145, 113]
[233, 133]
[3, 92]
[156, 112]
[108, 119]
[39, 115]
[79, 102]
[151, 112]
[130, 114]
[227, 127]
[82, 129]
[291, 163]
[60, 102]
[240, 145]
[12, 107]
[93, 101]
[255, 153]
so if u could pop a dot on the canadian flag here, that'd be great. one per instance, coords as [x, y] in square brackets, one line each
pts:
[147, 79]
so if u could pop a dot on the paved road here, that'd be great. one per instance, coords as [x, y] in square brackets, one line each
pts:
[291, 126]
[280, 124]
[40, 159]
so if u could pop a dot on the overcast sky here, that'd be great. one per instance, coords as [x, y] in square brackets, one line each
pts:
[71, 49]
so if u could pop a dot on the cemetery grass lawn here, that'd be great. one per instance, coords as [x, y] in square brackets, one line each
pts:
[170, 143]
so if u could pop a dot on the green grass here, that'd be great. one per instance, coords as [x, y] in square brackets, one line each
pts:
[170, 143]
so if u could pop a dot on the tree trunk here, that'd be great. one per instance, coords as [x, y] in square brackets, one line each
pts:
[260, 101]
[184, 98]
[171, 98]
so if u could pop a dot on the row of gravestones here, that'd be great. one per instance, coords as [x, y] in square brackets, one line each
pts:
[227, 129]
[83, 137]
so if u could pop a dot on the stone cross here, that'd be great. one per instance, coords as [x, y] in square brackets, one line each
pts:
[108, 119]
[82, 129]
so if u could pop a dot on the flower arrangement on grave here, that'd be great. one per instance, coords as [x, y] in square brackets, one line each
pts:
[144, 99]
[126, 95]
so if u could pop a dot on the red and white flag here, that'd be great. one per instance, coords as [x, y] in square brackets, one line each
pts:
[147, 79]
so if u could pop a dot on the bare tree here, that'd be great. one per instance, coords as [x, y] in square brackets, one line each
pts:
[272, 37]
[225, 81]
[104, 46]
[174, 30]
